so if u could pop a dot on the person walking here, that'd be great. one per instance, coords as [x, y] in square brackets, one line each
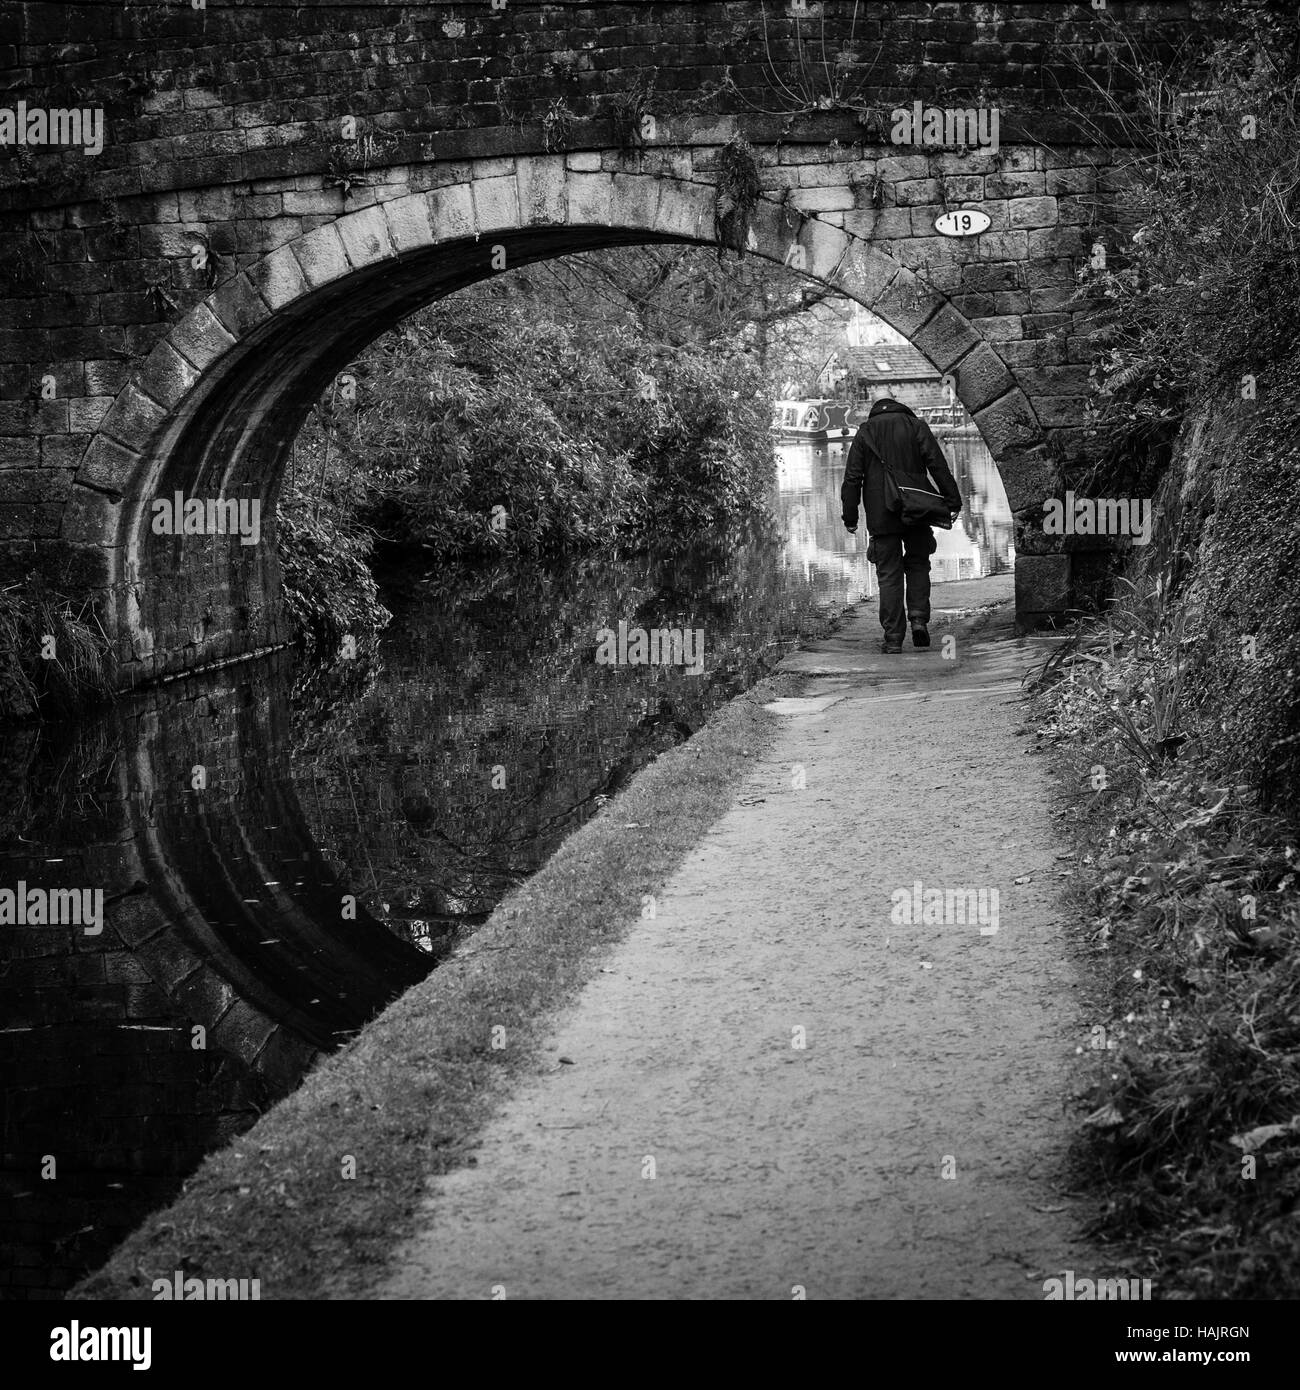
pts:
[892, 438]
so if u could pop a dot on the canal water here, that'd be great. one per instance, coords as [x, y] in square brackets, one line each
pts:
[282, 851]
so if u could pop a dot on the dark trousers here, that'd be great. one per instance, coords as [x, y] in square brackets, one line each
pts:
[898, 559]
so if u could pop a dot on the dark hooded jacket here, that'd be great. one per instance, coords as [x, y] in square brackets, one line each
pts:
[909, 446]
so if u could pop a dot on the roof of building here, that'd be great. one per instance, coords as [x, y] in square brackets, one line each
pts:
[888, 362]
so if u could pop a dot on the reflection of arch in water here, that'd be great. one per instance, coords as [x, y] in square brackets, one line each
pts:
[986, 518]
[220, 911]
[799, 529]
[277, 957]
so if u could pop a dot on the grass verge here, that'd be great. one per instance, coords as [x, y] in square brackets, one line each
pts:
[406, 1098]
[1191, 911]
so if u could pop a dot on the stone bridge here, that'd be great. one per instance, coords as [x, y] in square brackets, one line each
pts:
[280, 184]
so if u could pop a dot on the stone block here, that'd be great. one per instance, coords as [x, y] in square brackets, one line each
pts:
[1059, 181]
[1042, 583]
[998, 327]
[238, 306]
[1001, 246]
[907, 303]
[897, 168]
[970, 163]
[868, 273]
[826, 249]
[63, 450]
[170, 240]
[1044, 275]
[1009, 304]
[824, 176]
[1031, 184]
[364, 236]
[109, 466]
[1008, 425]
[963, 188]
[451, 213]
[499, 168]
[206, 204]
[946, 338]
[496, 203]
[635, 201]
[200, 338]
[1029, 479]
[913, 193]
[684, 210]
[166, 376]
[32, 485]
[408, 223]
[89, 517]
[107, 377]
[278, 278]
[883, 223]
[321, 256]
[590, 198]
[982, 378]
[1033, 212]
[541, 183]
[1025, 353]
[822, 199]
[134, 418]
[85, 414]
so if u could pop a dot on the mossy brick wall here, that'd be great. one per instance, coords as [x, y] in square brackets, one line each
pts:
[173, 304]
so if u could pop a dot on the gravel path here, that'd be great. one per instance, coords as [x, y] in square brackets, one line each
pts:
[928, 1049]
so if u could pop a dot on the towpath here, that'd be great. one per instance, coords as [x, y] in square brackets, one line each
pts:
[771, 1087]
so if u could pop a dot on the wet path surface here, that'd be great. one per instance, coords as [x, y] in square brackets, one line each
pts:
[776, 1084]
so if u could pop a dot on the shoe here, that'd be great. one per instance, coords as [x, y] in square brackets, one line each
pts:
[890, 649]
[920, 635]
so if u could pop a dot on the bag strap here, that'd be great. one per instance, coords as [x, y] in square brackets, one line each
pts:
[880, 458]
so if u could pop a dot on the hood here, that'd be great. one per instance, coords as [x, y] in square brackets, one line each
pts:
[890, 404]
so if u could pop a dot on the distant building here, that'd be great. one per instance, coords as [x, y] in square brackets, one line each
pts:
[901, 369]
[847, 353]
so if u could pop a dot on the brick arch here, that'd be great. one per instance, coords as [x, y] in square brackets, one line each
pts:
[215, 406]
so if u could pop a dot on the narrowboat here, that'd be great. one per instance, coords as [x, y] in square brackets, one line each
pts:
[810, 421]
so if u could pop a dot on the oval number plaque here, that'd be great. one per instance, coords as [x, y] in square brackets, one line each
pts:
[963, 222]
